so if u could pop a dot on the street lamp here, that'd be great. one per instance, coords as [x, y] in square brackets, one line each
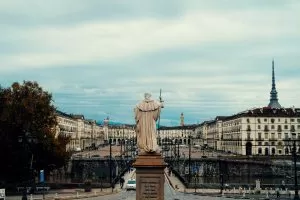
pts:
[178, 153]
[110, 165]
[122, 141]
[294, 156]
[126, 149]
[24, 139]
[189, 141]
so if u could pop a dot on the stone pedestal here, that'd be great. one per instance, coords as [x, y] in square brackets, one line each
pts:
[150, 176]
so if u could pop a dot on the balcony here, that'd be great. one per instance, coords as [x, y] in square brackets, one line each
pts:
[259, 139]
[248, 139]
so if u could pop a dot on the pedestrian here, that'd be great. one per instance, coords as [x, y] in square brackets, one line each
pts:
[122, 182]
[24, 195]
[278, 193]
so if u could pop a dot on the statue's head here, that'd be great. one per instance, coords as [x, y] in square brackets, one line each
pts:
[147, 96]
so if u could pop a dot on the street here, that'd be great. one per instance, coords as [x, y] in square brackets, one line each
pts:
[170, 194]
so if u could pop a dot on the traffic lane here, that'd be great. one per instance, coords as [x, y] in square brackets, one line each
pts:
[170, 194]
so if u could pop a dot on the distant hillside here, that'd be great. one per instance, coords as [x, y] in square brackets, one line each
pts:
[111, 123]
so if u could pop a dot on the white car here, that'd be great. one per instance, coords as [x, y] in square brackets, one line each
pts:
[77, 149]
[131, 184]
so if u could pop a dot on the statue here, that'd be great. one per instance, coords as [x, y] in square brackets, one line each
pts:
[146, 114]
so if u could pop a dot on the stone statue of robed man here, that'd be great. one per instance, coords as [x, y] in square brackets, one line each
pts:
[146, 114]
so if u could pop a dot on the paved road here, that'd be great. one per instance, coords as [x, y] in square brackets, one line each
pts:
[170, 194]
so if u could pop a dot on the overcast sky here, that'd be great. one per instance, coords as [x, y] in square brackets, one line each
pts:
[99, 57]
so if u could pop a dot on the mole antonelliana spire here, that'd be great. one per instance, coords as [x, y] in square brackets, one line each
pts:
[273, 94]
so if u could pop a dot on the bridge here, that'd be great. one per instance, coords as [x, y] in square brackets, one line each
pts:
[190, 171]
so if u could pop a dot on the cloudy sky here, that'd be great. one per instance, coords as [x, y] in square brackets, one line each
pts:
[98, 57]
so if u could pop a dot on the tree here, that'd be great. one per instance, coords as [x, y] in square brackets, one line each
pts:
[27, 132]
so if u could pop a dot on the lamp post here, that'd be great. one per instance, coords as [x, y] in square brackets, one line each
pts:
[294, 154]
[189, 140]
[126, 149]
[178, 153]
[293, 150]
[110, 165]
[24, 139]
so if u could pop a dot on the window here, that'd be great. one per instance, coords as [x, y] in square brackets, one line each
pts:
[272, 127]
[292, 120]
[279, 152]
[258, 120]
[266, 135]
[278, 119]
[273, 151]
[259, 151]
[259, 136]
[259, 143]
[272, 120]
[266, 128]
[248, 121]
[279, 135]
[298, 120]
[298, 126]
[272, 136]
[258, 127]
[286, 127]
[248, 135]
[273, 143]
[286, 135]
[265, 119]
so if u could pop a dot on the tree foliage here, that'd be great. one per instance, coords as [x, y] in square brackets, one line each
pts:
[27, 132]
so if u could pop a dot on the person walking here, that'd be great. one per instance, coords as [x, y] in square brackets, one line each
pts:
[122, 182]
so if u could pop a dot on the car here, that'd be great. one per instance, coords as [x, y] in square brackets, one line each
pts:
[77, 149]
[131, 184]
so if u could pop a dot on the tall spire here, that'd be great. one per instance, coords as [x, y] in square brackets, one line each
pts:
[273, 94]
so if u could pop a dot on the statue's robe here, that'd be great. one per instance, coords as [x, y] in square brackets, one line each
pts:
[146, 115]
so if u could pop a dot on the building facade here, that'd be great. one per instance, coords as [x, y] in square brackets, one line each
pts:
[118, 134]
[177, 134]
[83, 133]
[259, 131]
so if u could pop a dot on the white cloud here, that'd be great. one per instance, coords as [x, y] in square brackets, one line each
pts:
[112, 40]
[209, 59]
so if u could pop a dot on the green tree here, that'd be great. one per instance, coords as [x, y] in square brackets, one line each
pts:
[27, 132]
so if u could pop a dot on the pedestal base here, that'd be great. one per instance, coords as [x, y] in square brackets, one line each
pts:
[150, 176]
